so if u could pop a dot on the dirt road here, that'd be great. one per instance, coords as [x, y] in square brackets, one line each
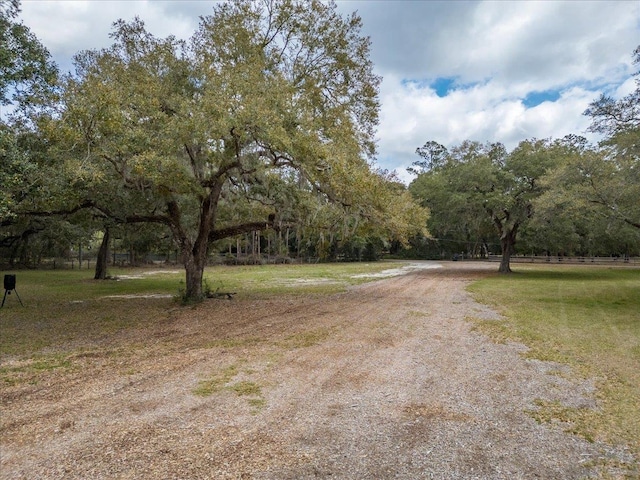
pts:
[387, 380]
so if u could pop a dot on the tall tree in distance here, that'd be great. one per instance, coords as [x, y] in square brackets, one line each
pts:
[482, 186]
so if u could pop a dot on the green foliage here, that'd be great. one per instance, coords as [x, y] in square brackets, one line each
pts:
[27, 83]
[28, 80]
[591, 197]
[587, 318]
[604, 184]
[477, 193]
[26, 71]
[264, 117]
[553, 196]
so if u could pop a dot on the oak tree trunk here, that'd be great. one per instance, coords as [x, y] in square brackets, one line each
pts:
[103, 256]
[194, 269]
[507, 242]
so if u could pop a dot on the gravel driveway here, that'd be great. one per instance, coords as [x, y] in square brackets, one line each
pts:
[387, 380]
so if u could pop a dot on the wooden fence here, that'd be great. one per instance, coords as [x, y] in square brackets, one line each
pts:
[624, 261]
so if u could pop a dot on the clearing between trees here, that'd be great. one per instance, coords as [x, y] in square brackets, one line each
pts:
[386, 380]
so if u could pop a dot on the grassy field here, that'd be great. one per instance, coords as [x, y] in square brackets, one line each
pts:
[65, 310]
[585, 317]
[588, 318]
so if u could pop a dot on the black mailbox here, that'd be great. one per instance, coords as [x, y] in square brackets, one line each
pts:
[9, 282]
[9, 285]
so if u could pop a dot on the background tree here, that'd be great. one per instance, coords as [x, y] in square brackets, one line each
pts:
[432, 155]
[26, 70]
[593, 191]
[27, 77]
[456, 224]
[612, 180]
[603, 183]
[477, 186]
[27, 89]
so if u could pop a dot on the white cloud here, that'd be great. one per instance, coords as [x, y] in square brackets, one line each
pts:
[505, 50]
[626, 88]
[490, 112]
[67, 27]
[547, 43]
[508, 50]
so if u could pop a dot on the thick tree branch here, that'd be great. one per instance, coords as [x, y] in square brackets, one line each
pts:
[9, 241]
[197, 172]
[240, 229]
[631, 222]
[86, 204]
[616, 213]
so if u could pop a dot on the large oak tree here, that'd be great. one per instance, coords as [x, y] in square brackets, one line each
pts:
[479, 186]
[212, 137]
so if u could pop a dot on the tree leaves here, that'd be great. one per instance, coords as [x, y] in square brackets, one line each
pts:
[268, 108]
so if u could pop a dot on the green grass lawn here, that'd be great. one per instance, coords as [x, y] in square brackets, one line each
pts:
[66, 309]
[588, 318]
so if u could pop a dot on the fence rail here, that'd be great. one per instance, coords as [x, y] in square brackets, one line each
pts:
[123, 260]
[626, 261]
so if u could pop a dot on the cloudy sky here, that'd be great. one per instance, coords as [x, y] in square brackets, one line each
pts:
[452, 70]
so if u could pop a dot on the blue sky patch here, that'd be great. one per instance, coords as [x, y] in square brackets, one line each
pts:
[533, 99]
[443, 86]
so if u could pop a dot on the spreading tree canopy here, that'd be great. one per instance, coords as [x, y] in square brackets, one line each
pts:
[218, 135]
[477, 187]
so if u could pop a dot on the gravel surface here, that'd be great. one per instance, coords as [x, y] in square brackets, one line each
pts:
[387, 380]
